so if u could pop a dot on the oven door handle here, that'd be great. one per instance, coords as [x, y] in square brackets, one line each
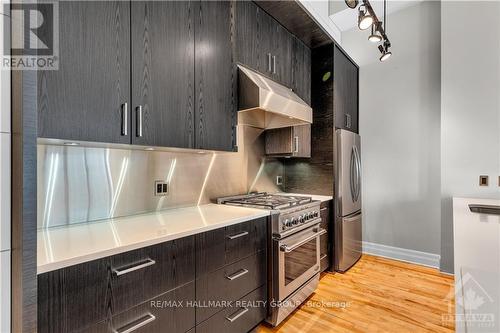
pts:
[287, 249]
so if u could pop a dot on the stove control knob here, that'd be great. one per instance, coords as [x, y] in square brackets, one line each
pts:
[287, 223]
[295, 221]
[302, 218]
[316, 214]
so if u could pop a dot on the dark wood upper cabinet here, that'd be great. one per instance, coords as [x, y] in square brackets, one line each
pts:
[263, 44]
[84, 100]
[275, 50]
[301, 70]
[282, 55]
[249, 36]
[162, 73]
[215, 76]
[345, 90]
[292, 141]
[162, 35]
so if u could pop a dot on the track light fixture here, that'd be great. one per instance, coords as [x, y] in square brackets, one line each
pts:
[386, 54]
[365, 20]
[375, 36]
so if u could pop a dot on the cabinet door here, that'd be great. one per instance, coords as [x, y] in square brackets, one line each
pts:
[282, 55]
[302, 141]
[289, 141]
[276, 49]
[215, 75]
[248, 44]
[345, 89]
[163, 73]
[85, 98]
[267, 33]
[301, 67]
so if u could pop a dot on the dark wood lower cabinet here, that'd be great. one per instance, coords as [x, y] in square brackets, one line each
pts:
[173, 310]
[240, 317]
[229, 284]
[157, 288]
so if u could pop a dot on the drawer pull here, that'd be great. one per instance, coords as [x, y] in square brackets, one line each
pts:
[127, 269]
[143, 321]
[241, 234]
[237, 314]
[238, 274]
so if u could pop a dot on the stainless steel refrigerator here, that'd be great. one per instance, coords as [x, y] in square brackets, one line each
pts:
[348, 215]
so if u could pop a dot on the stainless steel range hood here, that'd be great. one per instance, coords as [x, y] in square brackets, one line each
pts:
[266, 104]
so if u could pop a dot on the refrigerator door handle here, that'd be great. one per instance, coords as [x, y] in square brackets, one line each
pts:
[358, 173]
[352, 173]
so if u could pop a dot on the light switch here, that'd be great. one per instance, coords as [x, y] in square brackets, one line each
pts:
[483, 181]
[279, 180]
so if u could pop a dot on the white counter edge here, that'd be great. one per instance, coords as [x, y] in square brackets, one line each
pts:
[52, 266]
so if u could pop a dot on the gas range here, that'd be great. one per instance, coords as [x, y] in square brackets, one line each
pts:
[294, 248]
[294, 212]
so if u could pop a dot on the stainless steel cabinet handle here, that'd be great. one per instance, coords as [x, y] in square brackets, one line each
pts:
[133, 326]
[296, 144]
[348, 120]
[139, 121]
[128, 269]
[238, 274]
[241, 234]
[237, 314]
[289, 248]
[124, 119]
[274, 64]
[269, 67]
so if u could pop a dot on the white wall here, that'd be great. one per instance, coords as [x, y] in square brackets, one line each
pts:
[470, 107]
[400, 130]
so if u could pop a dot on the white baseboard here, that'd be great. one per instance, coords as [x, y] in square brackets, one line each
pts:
[412, 256]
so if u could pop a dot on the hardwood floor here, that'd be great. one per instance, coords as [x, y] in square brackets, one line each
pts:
[376, 295]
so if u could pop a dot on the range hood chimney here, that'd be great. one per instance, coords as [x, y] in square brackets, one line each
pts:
[266, 104]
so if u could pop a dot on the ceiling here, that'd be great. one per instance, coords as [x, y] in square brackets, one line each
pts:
[345, 18]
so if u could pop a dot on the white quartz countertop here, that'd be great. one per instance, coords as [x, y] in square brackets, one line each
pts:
[477, 264]
[313, 196]
[70, 245]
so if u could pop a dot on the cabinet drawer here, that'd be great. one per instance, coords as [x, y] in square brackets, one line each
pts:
[173, 309]
[241, 316]
[218, 248]
[229, 284]
[75, 297]
[142, 274]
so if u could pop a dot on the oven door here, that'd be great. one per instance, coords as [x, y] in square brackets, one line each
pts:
[298, 258]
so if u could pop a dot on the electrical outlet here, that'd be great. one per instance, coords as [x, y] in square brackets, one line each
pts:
[279, 180]
[161, 188]
[483, 181]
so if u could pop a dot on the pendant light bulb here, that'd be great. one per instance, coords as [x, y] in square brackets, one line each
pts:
[375, 36]
[386, 54]
[365, 20]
